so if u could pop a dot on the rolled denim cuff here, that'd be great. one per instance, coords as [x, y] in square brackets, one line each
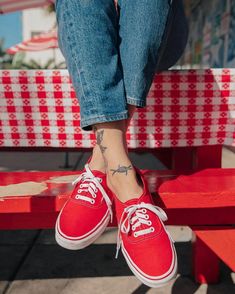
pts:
[86, 124]
[137, 102]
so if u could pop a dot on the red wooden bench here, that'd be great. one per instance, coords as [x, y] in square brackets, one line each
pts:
[194, 191]
[203, 200]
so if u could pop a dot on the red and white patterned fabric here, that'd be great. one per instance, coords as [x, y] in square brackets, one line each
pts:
[39, 108]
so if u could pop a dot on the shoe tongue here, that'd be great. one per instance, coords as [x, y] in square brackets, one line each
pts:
[142, 198]
[131, 201]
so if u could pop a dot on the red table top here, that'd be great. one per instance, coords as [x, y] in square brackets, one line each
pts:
[39, 108]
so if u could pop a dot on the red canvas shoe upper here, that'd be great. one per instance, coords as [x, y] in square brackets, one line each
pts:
[143, 237]
[88, 206]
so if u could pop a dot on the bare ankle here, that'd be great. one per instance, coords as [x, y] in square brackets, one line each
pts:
[124, 188]
[97, 160]
[95, 165]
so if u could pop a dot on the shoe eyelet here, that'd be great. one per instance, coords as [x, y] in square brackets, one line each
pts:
[100, 180]
[79, 191]
[94, 196]
[92, 201]
[77, 196]
[96, 190]
[144, 210]
[152, 229]
[81, 185]
[146, 216]
[149, 223]
[135, 235]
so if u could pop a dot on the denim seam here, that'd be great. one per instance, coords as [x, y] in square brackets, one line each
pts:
[109, 117]
[76, 60]
[134, 101]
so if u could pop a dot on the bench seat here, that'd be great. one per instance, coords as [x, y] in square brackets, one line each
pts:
[204, 197]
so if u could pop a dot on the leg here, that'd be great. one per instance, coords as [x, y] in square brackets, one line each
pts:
[142, 28]
[88, 39]
[139, 44]
[97, 161]
[121, 176]
[104, 109]
[87, 36]
[151, 256]
[143, 38]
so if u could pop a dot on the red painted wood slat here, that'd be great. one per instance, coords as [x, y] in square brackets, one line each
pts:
[224, 250]
[194, 198]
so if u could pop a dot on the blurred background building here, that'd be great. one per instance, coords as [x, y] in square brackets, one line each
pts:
[19, 26]
[36, 21]
[212, 34]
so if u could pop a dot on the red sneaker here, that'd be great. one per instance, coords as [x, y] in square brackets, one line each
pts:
[145, 242]
[86, 213]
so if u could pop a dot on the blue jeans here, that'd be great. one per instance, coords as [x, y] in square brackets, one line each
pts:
[111, 55]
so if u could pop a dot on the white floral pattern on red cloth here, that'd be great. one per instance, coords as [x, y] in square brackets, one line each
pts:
[39, 108]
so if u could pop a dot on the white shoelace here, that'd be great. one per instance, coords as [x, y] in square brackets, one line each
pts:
[135, 216]
[91, 183]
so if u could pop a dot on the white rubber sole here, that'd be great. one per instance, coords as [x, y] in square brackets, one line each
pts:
[150, 282]
[79, 244]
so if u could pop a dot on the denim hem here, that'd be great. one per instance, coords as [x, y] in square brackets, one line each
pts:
[137, 102]
[86, 124]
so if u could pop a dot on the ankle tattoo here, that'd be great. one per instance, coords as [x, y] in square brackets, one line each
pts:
[99, 139]
[121, 169]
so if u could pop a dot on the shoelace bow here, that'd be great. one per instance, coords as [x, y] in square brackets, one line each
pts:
[91, 183]
[135, 216]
